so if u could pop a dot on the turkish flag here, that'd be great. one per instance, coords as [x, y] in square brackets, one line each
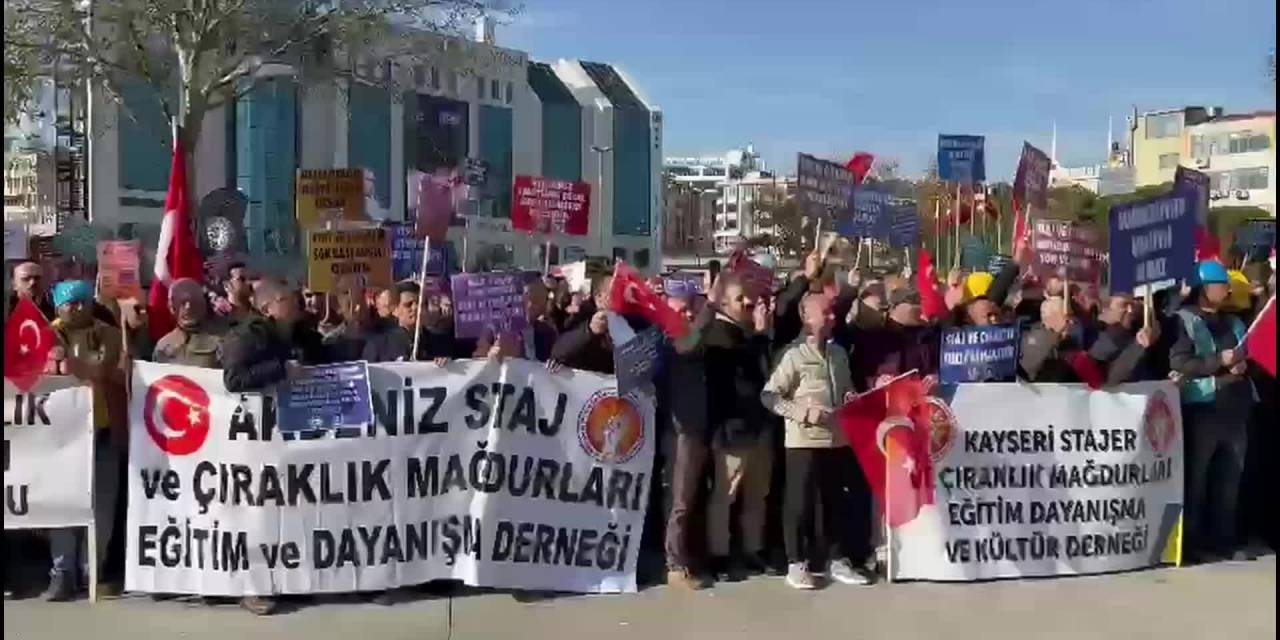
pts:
[1260, 341]
[888, 430]
[28, 338]
[1086, 369]
[1207, 246]
[932, 304]
[631, 296]
[177, 255]
[860, 165]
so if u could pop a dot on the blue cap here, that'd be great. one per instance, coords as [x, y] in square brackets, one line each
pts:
[72, 291]
[1210, 272]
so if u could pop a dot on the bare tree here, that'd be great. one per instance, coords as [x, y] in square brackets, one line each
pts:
[198, 55]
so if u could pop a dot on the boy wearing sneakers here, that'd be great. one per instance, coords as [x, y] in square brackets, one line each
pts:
[811, 380]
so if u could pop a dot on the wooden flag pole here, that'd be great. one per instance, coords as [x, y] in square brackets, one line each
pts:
[937, 227]
[422, 289]
[956, 257]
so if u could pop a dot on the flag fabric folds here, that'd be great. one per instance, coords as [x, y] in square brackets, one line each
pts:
[177, 255]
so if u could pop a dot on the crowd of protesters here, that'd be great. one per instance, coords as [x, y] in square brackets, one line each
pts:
[745, 403]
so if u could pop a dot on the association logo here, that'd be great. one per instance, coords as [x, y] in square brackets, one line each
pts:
[1158, 424]
[610, 428]
[942, 426]
[176, 413]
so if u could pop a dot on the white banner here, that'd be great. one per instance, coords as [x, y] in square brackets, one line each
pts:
[48, 455]
[495, 475]
[1046, 480]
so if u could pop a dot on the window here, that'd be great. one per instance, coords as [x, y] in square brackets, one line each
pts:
[495, 89]
[511, 92]
[1168, 125]
[619, 253]
[435, 78]
[1248, 141]
[642, 259]
[1253, 178]
[1168, 161]
[479, 88]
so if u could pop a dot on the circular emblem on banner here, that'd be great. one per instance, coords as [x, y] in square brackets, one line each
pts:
[942, 427]
[1158, 424]
[176, 414]
[610, 429]
[220, 234]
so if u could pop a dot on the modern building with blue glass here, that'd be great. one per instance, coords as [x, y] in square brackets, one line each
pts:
[457, 102]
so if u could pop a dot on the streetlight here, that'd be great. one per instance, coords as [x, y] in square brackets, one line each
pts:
[600, 151]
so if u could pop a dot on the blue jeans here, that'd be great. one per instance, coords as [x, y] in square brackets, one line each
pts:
[67, 546]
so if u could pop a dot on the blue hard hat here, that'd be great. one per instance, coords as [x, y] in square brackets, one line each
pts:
[1210, 272]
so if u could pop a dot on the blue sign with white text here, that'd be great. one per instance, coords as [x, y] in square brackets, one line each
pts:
[406, 254]
[866, 216]
[960, 159]
[330, 397]
[1153, 242]
[979, 354]
[904, 225]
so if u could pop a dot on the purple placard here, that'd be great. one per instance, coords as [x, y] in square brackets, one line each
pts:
[487, 301]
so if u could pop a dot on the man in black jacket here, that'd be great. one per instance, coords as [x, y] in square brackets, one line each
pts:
[258, 354]
[1123, 351]
[394, 342]
[736, 353]
[589, 346]
[258, 350]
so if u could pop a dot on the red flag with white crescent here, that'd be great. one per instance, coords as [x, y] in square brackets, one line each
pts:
[177, 255]
[28, 338]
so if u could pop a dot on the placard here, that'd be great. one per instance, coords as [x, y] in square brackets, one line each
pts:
[328, 397]
[979, 354]
[1066, 249]
[48, 454]
[822, 188]
[544, 205]
[329, 195]
[487, 302]
[333, 253]
[118, 267]
[961, 159]
[1153, 242]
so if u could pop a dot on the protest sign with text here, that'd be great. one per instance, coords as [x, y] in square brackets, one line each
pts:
[904, 225]
[48, 455]
[325, 397]
[1032, 178]
[866, 216]
[329, 195]
[334, 253]
[1067, 250]
[1196, 184]
[497, 475]
[822, 187]
[1152, 242]
[406, 253]
[118, 266]
[1047, 480]
[979, 354]
[545, 205]
[961, 159]
[487, 302]
[1256, 238]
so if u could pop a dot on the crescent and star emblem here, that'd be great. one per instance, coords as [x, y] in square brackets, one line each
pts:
[23, 347]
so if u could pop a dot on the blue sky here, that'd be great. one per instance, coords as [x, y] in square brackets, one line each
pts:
[833, 76]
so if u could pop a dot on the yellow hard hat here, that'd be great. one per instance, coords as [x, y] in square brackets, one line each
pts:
[1239, 299]
[976, 285]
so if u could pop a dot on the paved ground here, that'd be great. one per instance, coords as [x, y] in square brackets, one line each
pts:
[1234, 601]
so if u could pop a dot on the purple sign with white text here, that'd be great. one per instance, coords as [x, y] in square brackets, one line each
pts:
[487, 302]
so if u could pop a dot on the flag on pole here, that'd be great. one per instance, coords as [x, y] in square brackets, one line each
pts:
[860, 165]
[888, 430]
[1260, 341]
[177, 255]
[28, 339]
[932, 304]
[629, 295]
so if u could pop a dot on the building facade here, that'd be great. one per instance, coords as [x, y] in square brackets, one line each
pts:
[456, 103]
[713, 202]
[1236, 151]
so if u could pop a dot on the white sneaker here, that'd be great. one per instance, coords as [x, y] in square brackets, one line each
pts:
[798, 577]
[844, 573]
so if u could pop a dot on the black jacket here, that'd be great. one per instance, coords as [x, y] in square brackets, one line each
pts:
[1233, 391]
[1046, 358]
[255, 354]
[1119, 353]
[681, 382]
[578, 348]
[736, 373]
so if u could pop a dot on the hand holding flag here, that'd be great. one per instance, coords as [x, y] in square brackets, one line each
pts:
[629, 295]
[28, 339]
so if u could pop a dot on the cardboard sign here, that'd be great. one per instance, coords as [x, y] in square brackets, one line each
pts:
[544, 205]
[866, 214]
[1067, 250]
[1255, 238]
[960, 159]
[329, 195]
[822, 187]
[332, 253]
[406, 253]
[118, 267]
[1196, 184]
[1153, 242]
[904, 225]
[328, 397]
[979, 354]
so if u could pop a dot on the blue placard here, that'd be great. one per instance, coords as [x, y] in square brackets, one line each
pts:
[996, 263]
[1153, 242]
[1197, 184]
[904, 225]
[961, 159]
[1255, 238]
[974, 254]
[329, 397]
[406, 254]
[979, 354]
[636, 361]
[866, 215]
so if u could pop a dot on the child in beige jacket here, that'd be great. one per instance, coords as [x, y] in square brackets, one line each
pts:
[810, 382]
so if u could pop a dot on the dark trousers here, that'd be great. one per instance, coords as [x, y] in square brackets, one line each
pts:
[1216, 444]
[688, 482]
[817, 507]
